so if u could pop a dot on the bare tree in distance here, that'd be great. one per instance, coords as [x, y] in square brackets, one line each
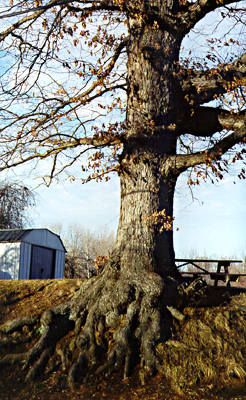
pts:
[87, 250]
[80, 78]
[16, 202]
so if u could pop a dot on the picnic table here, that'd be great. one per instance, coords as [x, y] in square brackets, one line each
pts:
[225, 276]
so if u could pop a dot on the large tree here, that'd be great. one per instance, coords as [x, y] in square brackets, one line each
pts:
[117, 65]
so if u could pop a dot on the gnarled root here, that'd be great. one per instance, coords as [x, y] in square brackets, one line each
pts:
[116, 322]
[125, 321]
[17, 324]
[40, 364]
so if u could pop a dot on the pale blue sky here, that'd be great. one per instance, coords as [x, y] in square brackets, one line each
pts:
[93, 205]
[214, 225]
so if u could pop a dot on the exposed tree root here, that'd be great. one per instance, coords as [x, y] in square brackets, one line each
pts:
[40, 364]
[16, 340]
[10, 359]
[117, 322]
[78, 369]
[17, 324]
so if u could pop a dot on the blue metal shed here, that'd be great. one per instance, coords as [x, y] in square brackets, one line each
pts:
[31, 254]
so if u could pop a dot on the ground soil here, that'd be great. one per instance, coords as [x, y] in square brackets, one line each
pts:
[25, 298]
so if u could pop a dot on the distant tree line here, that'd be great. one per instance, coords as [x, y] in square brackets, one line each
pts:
[87, 250]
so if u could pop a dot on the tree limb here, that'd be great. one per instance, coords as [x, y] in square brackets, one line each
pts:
[100, 78]
[206, 121]
[181, 162]
[105, 5]
[196, 11]
[203, 86]
[56, 147]
[22, 21]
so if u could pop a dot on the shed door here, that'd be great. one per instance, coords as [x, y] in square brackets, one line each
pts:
[42, 263]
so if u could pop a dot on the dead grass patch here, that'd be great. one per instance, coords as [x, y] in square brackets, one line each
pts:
[209, 347]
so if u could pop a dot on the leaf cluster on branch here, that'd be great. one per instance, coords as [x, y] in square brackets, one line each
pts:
[65, 72]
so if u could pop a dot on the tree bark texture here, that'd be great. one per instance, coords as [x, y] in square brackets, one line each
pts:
[152, 113]
[143, 241]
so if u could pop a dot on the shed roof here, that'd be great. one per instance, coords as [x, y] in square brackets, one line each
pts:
[13, 235]
[19, 235]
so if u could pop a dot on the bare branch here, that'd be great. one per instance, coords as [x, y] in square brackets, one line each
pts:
[56, 147]
[44, 7]
[21, 22]
[83, 97]
[96, 6]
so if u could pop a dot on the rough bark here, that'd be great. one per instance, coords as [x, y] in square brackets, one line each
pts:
[144, 240]
[143, 243]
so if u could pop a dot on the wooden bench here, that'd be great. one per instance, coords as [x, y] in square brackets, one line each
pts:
[225, 276]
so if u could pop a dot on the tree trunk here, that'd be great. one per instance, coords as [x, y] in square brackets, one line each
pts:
[144, 239]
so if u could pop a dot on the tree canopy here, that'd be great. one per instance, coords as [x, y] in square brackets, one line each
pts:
[64, 83]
